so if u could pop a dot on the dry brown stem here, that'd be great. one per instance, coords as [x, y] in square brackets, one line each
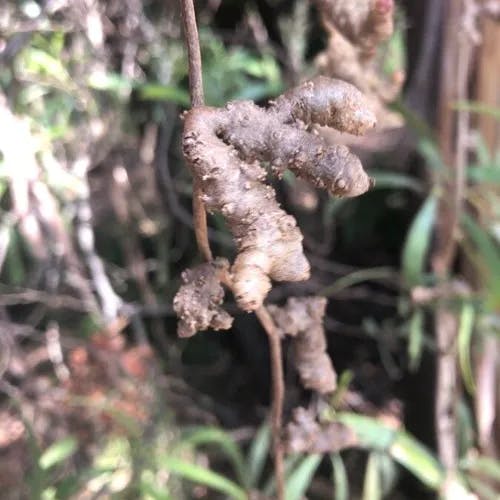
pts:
[224, 148]
[355, 31]
[278, 393]
[197, 99]
[302, 318]
[453, 131]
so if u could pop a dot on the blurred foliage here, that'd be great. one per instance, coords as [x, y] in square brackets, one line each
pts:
[79, 101]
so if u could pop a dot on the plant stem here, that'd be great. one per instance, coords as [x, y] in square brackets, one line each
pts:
[201, 232]
[278, 395]
[197, 99]
[453, 130]
[194, 53]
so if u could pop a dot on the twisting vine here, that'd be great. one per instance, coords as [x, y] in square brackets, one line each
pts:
[224, 149]
[201, 233]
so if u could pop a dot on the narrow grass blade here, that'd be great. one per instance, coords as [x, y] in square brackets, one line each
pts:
[257, 455]
[401, 446]
[375, 273]
[201, 475]
[300, 478]
[217, 437]
[58, 452]
[416, 339]
[391, 180]
[340, 479]
[467, 318]
[372, 489]
[417, 243]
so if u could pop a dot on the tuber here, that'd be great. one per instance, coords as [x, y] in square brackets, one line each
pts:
[302, 318]
[197, 303]
[225, 149]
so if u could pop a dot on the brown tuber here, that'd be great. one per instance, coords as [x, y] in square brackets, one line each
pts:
[304, 434]
[302, 318]
[224, 148]
[356, 30]
[197, 303]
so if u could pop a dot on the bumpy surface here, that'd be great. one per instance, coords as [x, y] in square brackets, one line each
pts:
[302, 318]
[356, 30]
[304, 434]
[224, 148]
[197, 303]
[366, 23]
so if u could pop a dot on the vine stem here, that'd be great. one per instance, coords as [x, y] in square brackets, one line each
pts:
[197, 99]
[278, 396]
[201, 233]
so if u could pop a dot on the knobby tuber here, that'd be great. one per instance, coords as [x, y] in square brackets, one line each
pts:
[356, 30]
[197, 303]
[302, 318]
[304, 434]
[224, 148]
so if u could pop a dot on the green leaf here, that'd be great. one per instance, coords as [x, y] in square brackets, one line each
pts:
[42, 63]
[67, 487]
[158, 92]
[409, 453]
[372, 489]
[391, 180]
[483, 490]
[395, 52]
[214, 436]
[375, 273]
[290, 462]
[487, 174]
[58, 452]
[149, 489]
[482, 465]
[14, 266]
[466, 328]
[487, 259]
[432, 155]
[370, 432]
[466, 429]
[301, 477]
[401, 446]
[202, 475]
[481, 108]
[417, 243]
[340, 479]
[257, 455]
[416, 339]
[110, 82]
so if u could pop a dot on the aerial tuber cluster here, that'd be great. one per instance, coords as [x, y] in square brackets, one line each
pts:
[225, 149]
[302, 319]
[355, 31]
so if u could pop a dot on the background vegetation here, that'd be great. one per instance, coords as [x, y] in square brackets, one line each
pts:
[98, 397]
